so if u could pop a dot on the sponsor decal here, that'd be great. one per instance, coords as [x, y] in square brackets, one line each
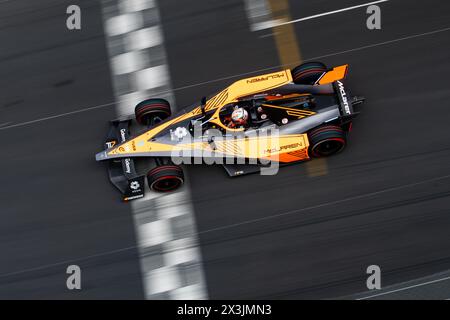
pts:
[127, 165]
[179, 133]
[110, 144]
[285, 147]
[123, 134]
[265, 78]
[135, 185]
[137, 189]
[344, 98]
[133, 197]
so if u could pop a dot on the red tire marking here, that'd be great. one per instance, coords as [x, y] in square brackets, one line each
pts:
[180, 180]
[158, 169]
[307, 72]
[325, 128]
[145, 108]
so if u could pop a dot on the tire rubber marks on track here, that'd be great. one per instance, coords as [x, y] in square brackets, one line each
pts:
[165, 227]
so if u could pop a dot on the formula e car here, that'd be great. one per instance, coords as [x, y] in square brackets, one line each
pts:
[288, 116]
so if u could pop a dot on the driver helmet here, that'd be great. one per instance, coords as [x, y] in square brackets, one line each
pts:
[239, 116]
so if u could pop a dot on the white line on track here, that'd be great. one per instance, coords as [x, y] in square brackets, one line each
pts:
[326, 204]
[235, 76]
[67, 262]
[327, 13]
[405, 288]
[57, 116]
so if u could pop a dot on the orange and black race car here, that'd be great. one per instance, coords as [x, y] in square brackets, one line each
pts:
[282, 117]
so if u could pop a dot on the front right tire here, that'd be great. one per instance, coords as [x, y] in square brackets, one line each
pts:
[165, 178]
[151, 111]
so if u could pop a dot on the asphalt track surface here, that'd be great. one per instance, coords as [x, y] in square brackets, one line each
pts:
[56, 208]
[384, 201]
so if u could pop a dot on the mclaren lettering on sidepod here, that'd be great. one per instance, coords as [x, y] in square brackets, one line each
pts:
[273, 76]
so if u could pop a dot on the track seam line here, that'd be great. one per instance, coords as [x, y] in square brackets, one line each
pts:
[329, 13]
[226, 78]
[405, 288]
[325, 204]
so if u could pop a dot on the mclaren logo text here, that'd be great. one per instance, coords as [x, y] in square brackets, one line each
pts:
[281, 148]
[273, 76]
[344, 97]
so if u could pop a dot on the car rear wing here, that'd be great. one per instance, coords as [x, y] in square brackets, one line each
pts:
[333, 75]
[345, 101]
[122, 172]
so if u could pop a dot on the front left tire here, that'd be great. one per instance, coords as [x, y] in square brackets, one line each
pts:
[308, 73]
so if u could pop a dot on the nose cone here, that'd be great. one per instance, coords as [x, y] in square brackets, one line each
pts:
[101, 156]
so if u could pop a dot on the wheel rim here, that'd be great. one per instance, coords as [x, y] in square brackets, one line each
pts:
[329, 147]
[153, 118]
[167, 183]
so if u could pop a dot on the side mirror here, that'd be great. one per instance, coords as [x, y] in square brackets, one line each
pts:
[203, 104]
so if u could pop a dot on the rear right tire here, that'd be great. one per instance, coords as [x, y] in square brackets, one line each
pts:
[326, 140]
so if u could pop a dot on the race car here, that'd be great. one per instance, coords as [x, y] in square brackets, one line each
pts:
[283, 117]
